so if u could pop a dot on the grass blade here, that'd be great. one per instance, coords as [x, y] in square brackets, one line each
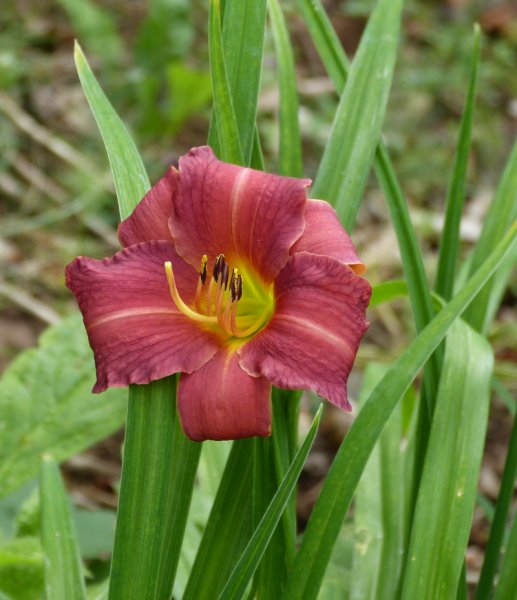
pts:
[229, 526]
[243, 46]
[290, 143]
[241, 575]
[497, 529]
[63, 568]
[450, 238]
[501, 215]
[336, 64]
[336, 495]
[447, 493]
[508, 578]
[392, 462]
[227, 128]
[129, 174]
[368, 510]
[349, 153]
[160, 463]
[326, 41]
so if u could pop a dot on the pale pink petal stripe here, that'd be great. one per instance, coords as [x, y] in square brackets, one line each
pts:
[134, 328]
[249, 216]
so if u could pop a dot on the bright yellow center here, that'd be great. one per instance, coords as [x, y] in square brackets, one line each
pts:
[234, 299]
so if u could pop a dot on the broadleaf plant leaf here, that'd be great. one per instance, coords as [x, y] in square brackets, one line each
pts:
[46, 404]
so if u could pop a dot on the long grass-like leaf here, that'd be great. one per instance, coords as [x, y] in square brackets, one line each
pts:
[501, 215]
[447, 493]
[228, 132]
[241, 575]
[129, 174]
[63, 568]
[243, 45]
[336, 495]
[450, 239]
[497, 529]
[336, 64]
[350, 150]
[160, 463]
[158, 474]
[508, 578]
[229, 526]
[290, 143]
[368, 528]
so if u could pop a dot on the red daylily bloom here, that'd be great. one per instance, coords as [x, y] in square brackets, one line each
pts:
[233, 278]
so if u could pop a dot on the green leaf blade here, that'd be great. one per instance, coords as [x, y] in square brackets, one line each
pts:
[63, 568]
[241, 575]
[227, 128]
[158, 474]
[129, 174]
[336, 495]
[502, 213]
[229, 526]
[447, 493]
[450, 239]
[290, 143]
[243, 45]
[500, 517]
[46, 404]
[349, 153]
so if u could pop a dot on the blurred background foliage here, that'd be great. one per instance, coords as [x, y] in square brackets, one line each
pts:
[57, 200]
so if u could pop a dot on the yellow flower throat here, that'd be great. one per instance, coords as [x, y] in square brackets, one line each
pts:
[235, 300]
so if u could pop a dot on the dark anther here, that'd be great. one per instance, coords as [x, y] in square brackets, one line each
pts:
[217, 267]
[232, 283]
[202, 273]
[224, 275]
[239, 287]
[233, 286]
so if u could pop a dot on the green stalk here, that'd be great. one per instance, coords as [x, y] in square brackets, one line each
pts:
[158, 476]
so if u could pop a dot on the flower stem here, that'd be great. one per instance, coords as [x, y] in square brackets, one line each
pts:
[158, 475]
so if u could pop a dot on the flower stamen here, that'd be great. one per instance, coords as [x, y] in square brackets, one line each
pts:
[201, 282]
[181, 306]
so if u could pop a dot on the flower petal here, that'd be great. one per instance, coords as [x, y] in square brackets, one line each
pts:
[135, 330]
[222, 402]
[325, 235]
[313, 336]
[243, 213]
[149, 221]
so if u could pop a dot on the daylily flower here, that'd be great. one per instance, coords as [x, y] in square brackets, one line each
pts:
[231, 277]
